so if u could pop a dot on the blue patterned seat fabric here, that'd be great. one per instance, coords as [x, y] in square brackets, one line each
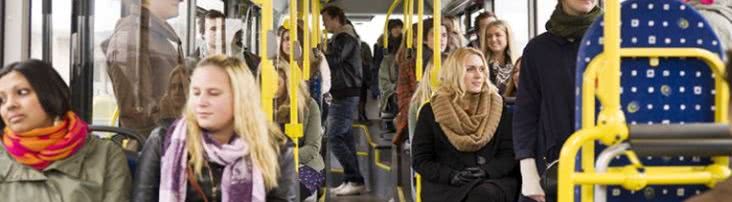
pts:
[677, 91]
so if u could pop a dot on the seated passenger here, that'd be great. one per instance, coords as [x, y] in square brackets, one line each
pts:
[311, 163]
[462, 142]
[222, 148]
[407, 82]
[48, 153]
[512, 83]
[501, 52]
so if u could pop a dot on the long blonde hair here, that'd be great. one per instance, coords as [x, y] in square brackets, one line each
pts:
[511, 50]
[424, 88]
[303, 95]
[249, 122]
[452, 73]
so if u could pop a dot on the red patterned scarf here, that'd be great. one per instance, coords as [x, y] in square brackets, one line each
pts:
[40, 147]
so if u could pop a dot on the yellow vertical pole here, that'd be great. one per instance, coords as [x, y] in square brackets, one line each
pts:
[420, 40]
[408, 20]
[266, 67]
[293, 129]
[306, 40]
[315, 39]
[436, 34]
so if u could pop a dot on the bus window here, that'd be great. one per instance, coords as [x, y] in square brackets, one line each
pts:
[516, 13]
[60, 22]
[138, 44]
[544, 12]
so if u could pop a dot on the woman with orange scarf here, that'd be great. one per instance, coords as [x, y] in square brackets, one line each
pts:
[47, 152]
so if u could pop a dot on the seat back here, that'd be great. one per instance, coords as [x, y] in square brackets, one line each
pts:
[659, 90]
[118, 137]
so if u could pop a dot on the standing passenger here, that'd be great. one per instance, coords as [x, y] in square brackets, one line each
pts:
[222, 149]
[462, 140]
[215, 33]
[500, 51]
[48, 153]
[344, 57]
[142, 53]
[544, 111]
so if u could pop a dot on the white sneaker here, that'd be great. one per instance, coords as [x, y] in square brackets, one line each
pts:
[351, 189]
[339, 187]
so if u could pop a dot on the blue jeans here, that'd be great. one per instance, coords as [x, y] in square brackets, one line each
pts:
[340, 137]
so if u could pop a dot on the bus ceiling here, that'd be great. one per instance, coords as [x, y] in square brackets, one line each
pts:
[379, 7]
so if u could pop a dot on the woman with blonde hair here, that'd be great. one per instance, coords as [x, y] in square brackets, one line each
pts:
[311, 162]
[222, 149]
[462, 141]
[500, 50]
[455, 36]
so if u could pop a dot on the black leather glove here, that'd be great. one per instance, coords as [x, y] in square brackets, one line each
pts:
[477, 172]
[460, 178]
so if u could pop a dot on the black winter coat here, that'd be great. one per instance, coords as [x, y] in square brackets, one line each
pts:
[544, 110]
[436, 159]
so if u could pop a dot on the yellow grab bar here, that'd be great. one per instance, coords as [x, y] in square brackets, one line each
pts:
[266, 67]
[420, 39]
[306, 40]
[294, 128]
[436, 53]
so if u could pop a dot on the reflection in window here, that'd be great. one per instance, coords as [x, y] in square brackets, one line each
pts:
[137, 50]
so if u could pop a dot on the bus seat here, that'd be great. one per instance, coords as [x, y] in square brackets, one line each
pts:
[661, 90]
[118, 137]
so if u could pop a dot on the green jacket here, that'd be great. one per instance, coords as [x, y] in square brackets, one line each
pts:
[312, 138]
[97, 172]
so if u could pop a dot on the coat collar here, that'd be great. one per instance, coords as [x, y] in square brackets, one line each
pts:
[10, 170]
[561, 41]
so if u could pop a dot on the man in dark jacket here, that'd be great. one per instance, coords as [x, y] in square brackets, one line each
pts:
[344, 57]
[544, 110]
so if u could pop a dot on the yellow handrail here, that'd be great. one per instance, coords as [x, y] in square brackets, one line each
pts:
[372, 144]
[294, 128]
[418, 188]
[420, 39]
[115, 116]
[315, 39]
[611, 127]
[436, 52]
[306, 40]
[385, 36]
[408, 19]
[266, 66]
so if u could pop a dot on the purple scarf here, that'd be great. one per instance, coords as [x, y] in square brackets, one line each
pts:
[240, 181]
